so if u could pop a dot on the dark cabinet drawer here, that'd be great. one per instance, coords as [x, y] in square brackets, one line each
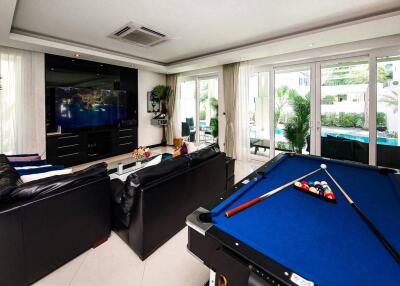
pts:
[68, 140]
[126, 139]
[127, 132]
[68, 149]
[69, 159]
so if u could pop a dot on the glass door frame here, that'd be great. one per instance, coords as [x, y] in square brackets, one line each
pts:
[197, 79]
[371, 103]
[373, 86]
[315, 93]
[289, 68]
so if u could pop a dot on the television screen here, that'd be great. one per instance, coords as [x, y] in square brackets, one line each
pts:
[82, 107]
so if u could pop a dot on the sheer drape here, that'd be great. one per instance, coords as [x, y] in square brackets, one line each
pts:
[242, 114]
[177, 111]
[172, 82]
[22, 102]
[230, 78]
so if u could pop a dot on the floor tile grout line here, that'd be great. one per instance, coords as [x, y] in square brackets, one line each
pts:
[79, 268]
[144, 269]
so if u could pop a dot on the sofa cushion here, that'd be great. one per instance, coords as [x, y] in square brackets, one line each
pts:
[9, 178]
[38, 176]
[38, 169]
[203, 154]
[54, 184]
[23, 158]
[29, 163]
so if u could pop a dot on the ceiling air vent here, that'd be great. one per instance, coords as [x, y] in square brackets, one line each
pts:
[139, 35]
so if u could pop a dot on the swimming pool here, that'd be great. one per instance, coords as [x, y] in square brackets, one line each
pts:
[364, 139]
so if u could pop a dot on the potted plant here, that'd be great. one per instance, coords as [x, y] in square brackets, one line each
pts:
[214, 118]
[162, 94]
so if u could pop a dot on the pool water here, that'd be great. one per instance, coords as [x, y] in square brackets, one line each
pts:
[364, 139]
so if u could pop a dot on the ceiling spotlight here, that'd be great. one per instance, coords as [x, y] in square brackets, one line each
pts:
[77, 55]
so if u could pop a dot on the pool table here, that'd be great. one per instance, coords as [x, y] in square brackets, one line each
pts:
[293, 238]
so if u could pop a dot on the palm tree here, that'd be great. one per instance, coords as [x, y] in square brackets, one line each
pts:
[283, 95]
[297, 126]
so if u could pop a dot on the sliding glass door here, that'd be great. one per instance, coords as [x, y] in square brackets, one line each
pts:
[347, 109]
[388, 112]
[198, 109]
[188, 110]
[258, 115]
[344, 98]
[292, 110]
[208, 110]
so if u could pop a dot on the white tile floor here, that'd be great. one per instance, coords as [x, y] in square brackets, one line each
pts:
[114, 263]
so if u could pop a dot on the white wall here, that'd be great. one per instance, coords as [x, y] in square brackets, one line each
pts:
[148, 134]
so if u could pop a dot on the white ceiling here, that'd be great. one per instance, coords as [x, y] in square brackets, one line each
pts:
[198, 27]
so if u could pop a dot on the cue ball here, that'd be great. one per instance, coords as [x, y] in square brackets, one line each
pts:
[323, 166]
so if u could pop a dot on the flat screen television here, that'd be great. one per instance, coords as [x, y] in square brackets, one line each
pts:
[77, 108]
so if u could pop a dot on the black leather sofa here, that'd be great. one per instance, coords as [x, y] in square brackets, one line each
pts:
[46, 223]
[152, 205]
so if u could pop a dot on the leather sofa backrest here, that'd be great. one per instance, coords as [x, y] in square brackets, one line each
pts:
[152, 173]
[203, 154]
[43, 187]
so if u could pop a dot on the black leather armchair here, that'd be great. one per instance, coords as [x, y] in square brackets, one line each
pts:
[62, 218]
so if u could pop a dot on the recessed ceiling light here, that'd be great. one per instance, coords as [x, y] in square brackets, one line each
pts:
[311, 45]
[77, 55]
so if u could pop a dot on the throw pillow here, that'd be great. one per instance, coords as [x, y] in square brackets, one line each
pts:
[23, 158]
[34, 177]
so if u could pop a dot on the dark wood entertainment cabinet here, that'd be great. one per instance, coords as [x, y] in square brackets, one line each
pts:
[80, 147]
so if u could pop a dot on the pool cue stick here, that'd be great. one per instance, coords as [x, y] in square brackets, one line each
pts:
[377, 233]
[244, 206]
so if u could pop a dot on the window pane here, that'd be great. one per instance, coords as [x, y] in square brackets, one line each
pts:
[258, 114]
[388, 112]
[208, 110]
[292, 111]
[188, 110]
[344, 111]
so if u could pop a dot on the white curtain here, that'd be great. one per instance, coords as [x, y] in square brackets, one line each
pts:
[177, 124]
[22, 102]
[242, 114]
[172, 82]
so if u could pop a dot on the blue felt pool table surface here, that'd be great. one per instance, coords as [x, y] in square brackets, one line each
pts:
[326, 243]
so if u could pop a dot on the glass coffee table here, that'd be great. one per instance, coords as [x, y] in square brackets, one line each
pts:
[122, 168]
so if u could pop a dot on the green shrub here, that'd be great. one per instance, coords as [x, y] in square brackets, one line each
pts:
[343, 119]
[283, 146]
[380, 119]
[202, 115]
[329, 99]
[214, 127]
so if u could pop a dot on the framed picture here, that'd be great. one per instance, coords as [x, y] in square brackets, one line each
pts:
[153, 106]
